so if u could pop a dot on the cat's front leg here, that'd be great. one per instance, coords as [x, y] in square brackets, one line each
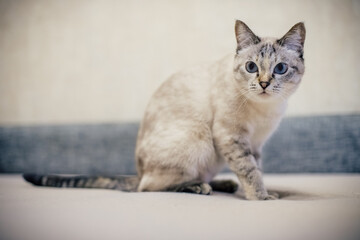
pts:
[236, 150]
[237, 153]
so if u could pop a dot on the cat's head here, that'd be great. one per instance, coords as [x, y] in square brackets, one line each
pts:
[269, 68]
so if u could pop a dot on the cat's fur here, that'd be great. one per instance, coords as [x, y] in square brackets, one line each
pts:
[210, 115]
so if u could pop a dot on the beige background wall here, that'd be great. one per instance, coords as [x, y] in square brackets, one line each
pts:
[100, 61]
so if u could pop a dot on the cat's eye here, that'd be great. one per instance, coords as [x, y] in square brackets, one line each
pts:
[251, 67]
[281, 68]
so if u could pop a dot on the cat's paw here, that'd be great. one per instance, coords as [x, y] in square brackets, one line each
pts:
[271, 197]
[198, 188]
[263, 196]
[203, 188]
[274, 194]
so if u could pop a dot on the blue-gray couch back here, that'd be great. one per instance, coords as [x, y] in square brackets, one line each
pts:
[301, 144]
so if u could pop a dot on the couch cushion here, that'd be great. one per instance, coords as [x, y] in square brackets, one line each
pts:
[321, 207]
[301, 144]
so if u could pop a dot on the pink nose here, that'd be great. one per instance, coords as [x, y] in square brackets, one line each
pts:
[264, 84]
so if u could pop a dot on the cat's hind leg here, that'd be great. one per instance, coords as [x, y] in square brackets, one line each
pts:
[165, 182]
[192, 187]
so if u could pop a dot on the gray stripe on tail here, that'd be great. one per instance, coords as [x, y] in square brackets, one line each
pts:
[123, 183]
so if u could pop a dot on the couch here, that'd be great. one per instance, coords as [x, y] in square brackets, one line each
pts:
[311, 162]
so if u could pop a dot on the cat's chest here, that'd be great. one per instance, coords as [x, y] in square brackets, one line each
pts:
[262, 127]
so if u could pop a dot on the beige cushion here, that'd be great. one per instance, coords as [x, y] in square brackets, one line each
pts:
[312, 207]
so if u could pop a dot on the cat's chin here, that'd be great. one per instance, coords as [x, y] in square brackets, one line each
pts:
[265, 97]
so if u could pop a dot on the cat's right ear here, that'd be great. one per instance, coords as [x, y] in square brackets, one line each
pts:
[244, 36]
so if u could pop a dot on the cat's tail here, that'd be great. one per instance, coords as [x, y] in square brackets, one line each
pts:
[123, 183]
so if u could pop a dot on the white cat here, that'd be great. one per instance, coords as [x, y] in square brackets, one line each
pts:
[207, 116]
[224, 112]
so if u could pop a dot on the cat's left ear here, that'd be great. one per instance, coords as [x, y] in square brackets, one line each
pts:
[244, 36]
[294, 39]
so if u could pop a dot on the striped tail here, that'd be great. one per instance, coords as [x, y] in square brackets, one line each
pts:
[122, 183]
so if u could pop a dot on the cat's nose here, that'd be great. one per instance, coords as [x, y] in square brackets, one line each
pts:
[264, 84]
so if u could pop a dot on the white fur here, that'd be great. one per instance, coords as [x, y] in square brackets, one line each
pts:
[208, 115]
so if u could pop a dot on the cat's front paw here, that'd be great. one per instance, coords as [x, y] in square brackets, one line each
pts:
[270, 197]
[264, 196]
[274, 194]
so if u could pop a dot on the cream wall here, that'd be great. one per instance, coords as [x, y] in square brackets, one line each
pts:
[100, 61]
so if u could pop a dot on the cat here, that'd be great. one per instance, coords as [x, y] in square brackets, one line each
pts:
[207, 116]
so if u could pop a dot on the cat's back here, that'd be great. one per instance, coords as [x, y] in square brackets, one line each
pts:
[183, 103]
[193, 82]
[177, 122]
[192, 87]
[186, 94]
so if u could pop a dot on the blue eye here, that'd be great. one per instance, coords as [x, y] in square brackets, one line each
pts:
[281, 68]
[251, 67]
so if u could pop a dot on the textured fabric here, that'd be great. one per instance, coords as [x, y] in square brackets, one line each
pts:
[315, 144]
[301, 144]
[311, 207]
[86, 149]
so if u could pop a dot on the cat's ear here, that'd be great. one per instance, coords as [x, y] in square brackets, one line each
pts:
[294, 39]
[244, 36]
